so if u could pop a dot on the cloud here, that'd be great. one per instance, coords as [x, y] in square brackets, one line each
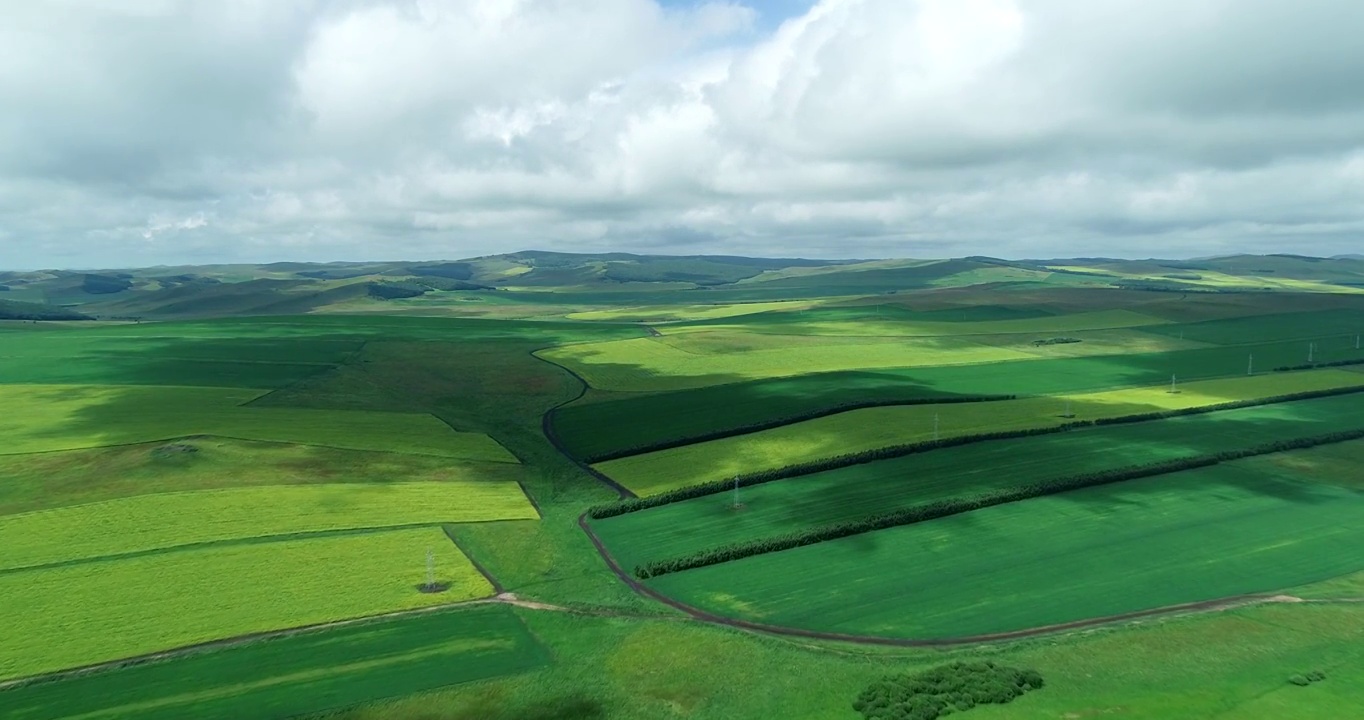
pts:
[173, 130]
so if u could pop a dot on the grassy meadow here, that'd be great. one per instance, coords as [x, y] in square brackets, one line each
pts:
[235, 451]
[101, 611]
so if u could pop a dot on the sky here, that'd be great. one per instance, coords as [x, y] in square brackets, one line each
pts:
[144, 132]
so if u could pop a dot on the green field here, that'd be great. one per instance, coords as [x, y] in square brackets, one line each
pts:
[873, 428]
[643, 421]
[1184, 537]
[47, 418]
[107, 610]
[860, 491]
[151, 522]
[299, 674]
[46, 480]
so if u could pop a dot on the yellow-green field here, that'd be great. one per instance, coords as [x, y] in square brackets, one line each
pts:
[872, 428]
[901, 328]
[96, 612]
[675, 313]
[150, 522]
[700, 359]
[46, 418]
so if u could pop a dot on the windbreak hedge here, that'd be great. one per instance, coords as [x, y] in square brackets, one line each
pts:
[601, 512]
[956, 506]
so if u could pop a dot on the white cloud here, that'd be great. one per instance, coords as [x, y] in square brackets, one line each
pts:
[405, 128]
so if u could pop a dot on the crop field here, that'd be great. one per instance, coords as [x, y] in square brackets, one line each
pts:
[711, 358]
[897, 321]
[151, 522]
[1337, 324]
[860, 491]
[679, 313]
[645, 420]
[46, 418]
[101, 611]
[1184, 537]
[46, 480]
[299, 674]
[871, 428]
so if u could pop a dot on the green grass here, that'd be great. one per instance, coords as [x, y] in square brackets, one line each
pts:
[45, 418]
[1338, 324]
[1184, 537]
[873, 428]
[44, 480]
[641, 421]
[298, 674]
[152, 522]
[861, 491]
[114, 609]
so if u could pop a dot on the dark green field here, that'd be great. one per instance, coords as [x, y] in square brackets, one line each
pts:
[289, 676]
[859, 491]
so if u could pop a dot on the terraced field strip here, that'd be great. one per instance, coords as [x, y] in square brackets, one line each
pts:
[46, 418]
[710, 358]
[102, 611]
[893, 321]
[1304, 326]
[145, 523]
[861, 491]
[305, 673]
[642, 424]
[1185, 537]
[863, 430]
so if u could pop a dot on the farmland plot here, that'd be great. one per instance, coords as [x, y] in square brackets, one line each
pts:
[1184, 537]
[152, 522]
[102, 611]
[300, 674]
[46, 418]
[861, 491]
[872, 428]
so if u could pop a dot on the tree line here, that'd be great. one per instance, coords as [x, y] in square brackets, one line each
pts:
[955, 506]
[714, 487]
[944, 690]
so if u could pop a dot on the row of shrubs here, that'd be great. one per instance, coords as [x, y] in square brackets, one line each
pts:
[944, 690]
[629, 505]
[788, 420]
[1313, 366]
[955, 506]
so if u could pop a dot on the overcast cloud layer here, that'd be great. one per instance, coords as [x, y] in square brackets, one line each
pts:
[258, 130]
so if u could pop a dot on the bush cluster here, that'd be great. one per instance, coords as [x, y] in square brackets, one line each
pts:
[1304, 680]
[714, 487]
[944, 690]
[779, 422]
[1313, 366]
[955, 506]
[105, 284]
[1056, 341]
[395, 290]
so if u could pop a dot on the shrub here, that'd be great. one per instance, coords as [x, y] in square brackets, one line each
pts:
[105, 284]
[395, 291]
[944, 690]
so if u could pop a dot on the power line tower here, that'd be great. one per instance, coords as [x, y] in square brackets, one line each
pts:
[935, 427]
[430, 569]
[737, 504]
[1250, 366]
[1068, 413]
[1173, 385]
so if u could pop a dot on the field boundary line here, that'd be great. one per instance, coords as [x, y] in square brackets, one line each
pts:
[1218, 604]
[492, 581]
[547, 429]
[252, 540]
